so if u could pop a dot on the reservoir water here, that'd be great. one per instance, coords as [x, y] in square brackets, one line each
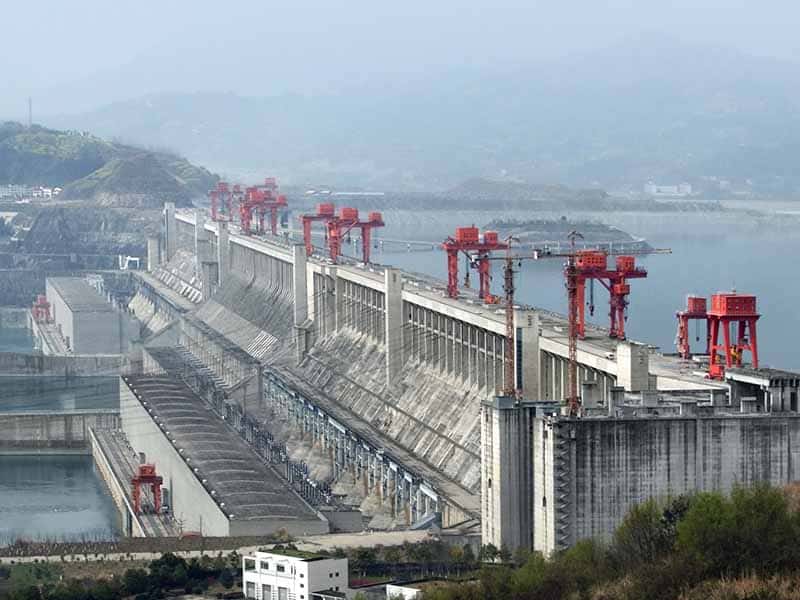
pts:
[54, 498]
[711, 253]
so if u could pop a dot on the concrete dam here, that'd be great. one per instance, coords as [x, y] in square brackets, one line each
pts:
[371, 393]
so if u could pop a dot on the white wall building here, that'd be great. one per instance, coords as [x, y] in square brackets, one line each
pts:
[87, 322]
[275, 576]
[682, 189]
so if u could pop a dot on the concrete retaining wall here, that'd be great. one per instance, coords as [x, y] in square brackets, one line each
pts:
[68, 431]
[599, 469]
[18, 363]
[13, 318]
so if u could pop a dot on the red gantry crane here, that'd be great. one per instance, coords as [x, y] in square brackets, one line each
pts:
[146, 475]
[584, 265]
[325, 212]
[221, 198]
[478, 249]
[261, 199]
[728, 308]
[695, 310]
[347, 219]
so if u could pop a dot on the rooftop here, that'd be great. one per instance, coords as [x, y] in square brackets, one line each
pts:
[245, 487]
[78, 295]
[294, 553]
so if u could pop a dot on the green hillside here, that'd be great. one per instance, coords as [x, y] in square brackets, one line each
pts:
[90, 168]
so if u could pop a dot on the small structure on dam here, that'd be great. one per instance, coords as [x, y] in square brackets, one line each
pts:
[74, 318]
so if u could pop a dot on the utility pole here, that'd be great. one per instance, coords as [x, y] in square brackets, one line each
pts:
[30, 112]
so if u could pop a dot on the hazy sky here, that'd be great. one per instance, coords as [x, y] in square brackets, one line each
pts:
[86, 52]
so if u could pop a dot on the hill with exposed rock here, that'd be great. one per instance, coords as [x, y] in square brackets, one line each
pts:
[90, 168]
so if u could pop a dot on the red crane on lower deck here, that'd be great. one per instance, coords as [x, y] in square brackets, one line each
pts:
[146, 475]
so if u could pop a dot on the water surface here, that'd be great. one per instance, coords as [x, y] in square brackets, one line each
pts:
[54, 498]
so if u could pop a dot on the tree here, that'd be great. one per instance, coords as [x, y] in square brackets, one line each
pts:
[641, 537]
[469, 555]
[392, 555]
[179, 576]
[135, 581]
[488, 553]
[226, 579]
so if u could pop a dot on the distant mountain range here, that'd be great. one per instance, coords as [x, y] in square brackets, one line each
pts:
[90, 168]
[648, 109]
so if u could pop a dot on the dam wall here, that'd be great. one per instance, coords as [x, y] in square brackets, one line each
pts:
[52, 432]
[589, 473]
[19, 363]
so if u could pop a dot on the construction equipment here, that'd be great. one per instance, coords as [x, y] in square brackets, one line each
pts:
[260, 200]
[582, 265]
[477, 248]
[695, 310]
[727, 308]
[146, 475]
[325, 212]
[221, 198]
[40, 311]
[347, 219]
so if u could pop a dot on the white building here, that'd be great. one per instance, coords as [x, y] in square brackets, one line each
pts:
[293, 576]
[682, 189]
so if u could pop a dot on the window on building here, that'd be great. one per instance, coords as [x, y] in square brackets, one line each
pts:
[302, 575]
[280, 568]
[249, 564]
[250, 589]
[264, 566]
[337, 573]
[283, 593]
[266, 592]
[330, 575]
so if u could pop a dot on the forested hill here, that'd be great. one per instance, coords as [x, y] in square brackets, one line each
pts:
[90, 168]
